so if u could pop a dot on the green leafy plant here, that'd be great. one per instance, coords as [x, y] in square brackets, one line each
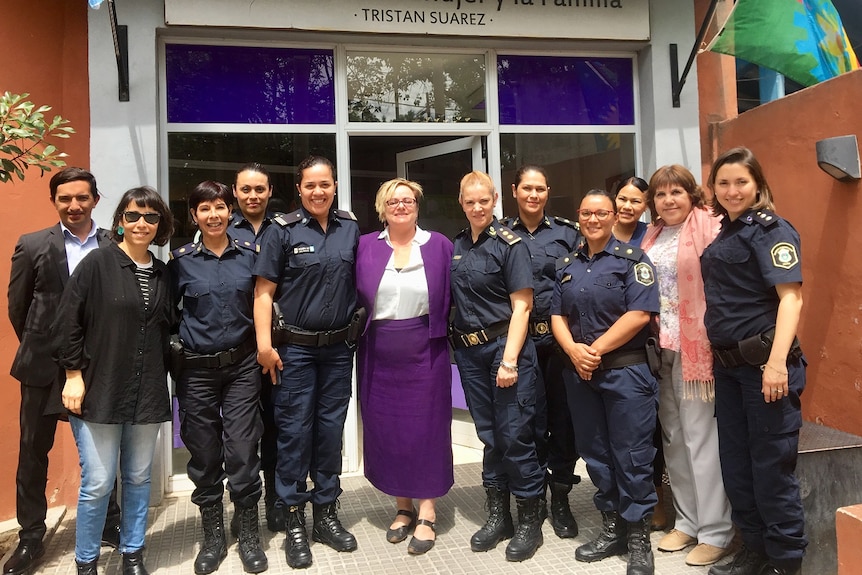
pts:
[23, 131]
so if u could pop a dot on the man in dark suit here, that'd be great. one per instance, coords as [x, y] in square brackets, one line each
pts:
[41, 265]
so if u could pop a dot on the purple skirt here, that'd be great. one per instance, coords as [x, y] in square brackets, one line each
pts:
[405, 396]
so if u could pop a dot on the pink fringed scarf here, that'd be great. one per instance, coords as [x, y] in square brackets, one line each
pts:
[698, 231]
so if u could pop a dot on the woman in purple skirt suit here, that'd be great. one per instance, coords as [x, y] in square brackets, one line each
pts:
[405, 378]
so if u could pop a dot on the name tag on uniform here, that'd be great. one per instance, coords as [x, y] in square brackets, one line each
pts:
[303, 250]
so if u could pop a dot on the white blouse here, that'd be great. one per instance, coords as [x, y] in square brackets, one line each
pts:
[403, 294]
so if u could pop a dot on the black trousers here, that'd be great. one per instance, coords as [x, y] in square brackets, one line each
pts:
[220, 424]
[37, 439]
[556, 447]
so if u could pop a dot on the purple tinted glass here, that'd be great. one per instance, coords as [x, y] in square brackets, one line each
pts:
[249, 85]
[547, 90]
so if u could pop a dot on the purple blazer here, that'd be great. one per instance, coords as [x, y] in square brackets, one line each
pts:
[371, 258]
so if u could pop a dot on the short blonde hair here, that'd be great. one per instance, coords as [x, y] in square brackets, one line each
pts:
[387, 190]
[476, 178]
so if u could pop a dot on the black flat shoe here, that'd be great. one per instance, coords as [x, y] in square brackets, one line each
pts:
[399, 534]
[25, 557]
[422, 546]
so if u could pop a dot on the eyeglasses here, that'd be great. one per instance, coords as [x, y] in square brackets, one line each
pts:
[408, 202]
[601, 215]
[150, 218]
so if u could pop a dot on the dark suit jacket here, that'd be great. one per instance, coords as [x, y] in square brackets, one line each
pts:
[39, 274]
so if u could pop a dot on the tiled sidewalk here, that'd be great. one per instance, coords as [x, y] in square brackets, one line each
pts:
[174, 534]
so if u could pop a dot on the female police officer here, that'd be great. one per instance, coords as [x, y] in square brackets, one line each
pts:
[492, 288]
[548, 239]
[306, 265]
[219, 387]
[604, 298]
[753, 285]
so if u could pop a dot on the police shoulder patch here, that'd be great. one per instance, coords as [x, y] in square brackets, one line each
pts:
[506, 235]
[644, 274]
[285, 220]
[784, 255]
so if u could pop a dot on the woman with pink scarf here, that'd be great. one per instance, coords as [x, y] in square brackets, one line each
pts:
[682, 227]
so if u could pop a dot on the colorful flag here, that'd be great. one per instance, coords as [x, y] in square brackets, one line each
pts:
[802, 39]
[95, 3]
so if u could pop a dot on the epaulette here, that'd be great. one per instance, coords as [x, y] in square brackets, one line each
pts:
[344, 214]
[504, 234]
[507, 222]
[463, 232]
[247, 245]
[285, 220]
[765, 218]
[566, 260]
[628, 252]
[567, 222]
[185, 250]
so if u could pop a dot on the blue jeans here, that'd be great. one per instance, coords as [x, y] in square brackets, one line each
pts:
[100, 447]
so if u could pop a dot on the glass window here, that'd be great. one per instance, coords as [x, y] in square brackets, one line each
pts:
[397, 87]
[575, 163]
[193, 158]
[565, 91]
[249, 85]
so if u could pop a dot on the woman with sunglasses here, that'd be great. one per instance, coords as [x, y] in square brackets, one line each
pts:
[219, 386]
[605, 297]
[405, 378]
[111, 333]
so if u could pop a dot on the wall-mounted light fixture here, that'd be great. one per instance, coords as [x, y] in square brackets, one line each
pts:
[839, 157]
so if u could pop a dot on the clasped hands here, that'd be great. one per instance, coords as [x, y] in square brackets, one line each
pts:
[586, 359]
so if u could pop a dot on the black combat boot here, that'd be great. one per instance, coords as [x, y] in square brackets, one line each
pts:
[133, 563]
[791, 567]
[88, 568]
[611, 541]
[251, 554]
[641, 561]
[275, 520]
[329, 530]
[499, 525]
[296, 548]
[528, 536]
[562, 520]
[746, 562]
[214, 548]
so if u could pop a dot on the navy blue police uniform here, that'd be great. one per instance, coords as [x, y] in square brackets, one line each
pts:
[219, 387]
[758, 441]
[316, 290]
[483, 275]
[552, 239]
[614, 413]
[243, 231]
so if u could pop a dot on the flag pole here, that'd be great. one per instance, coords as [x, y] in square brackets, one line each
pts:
[677, 82]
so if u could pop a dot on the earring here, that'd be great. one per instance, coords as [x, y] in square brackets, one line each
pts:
[120, 230]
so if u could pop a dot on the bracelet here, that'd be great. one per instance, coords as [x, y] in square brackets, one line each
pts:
[509, 366]
[778, 371]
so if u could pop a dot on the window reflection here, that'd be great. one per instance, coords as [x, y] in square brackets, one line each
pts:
[397, 87]
[575, 164]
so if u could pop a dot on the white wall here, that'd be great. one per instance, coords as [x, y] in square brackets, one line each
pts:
[669, 135]
[123, 139]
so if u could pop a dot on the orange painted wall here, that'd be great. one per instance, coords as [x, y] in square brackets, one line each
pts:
[44, 47]
[826, 212]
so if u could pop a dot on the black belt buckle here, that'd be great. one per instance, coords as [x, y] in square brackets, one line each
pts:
[224, 358]
[323, 338]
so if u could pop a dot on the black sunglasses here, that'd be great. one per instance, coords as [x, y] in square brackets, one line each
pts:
[150, 218]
